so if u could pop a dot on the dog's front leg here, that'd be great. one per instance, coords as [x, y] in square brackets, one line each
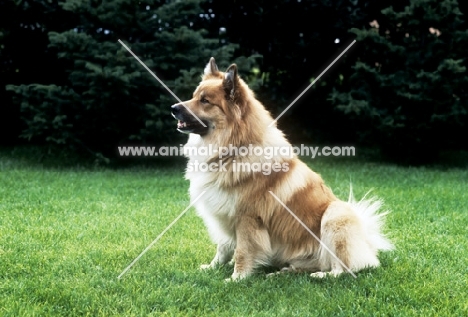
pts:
[253, 246]
[224, 253]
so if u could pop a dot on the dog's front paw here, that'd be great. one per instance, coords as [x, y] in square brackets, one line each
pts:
[287, 269]
[319, 274]
[204, 267]
[235, 277]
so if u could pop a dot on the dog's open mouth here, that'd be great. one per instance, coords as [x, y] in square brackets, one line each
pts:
[191, 127]
[182, 125]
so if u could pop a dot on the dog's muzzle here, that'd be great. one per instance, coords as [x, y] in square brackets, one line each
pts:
[186, 122]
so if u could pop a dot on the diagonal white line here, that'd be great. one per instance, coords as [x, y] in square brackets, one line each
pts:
[315, 80]
[161, 82]
[160, 235]
[313, 234]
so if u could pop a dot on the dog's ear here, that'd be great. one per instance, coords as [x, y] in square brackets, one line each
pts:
[211, 68]
[231, 81]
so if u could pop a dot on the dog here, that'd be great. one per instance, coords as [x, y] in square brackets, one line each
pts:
[249, 212]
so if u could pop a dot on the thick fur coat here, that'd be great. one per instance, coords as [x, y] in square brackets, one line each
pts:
[244, 219]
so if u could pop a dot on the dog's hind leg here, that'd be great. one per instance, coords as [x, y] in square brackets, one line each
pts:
[299, 266]
[304, 265]
[347, 247]
[339, 224]
[253, 246]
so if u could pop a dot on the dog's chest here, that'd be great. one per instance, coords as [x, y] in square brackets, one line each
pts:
[213, 201]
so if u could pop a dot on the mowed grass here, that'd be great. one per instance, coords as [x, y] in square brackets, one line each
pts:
[66, 233]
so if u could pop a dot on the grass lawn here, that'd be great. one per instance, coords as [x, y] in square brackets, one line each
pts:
[66, 233]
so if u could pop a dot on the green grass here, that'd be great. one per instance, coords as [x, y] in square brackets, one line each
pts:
[66, 233]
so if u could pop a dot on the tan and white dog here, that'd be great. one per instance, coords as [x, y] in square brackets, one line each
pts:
[243, 218]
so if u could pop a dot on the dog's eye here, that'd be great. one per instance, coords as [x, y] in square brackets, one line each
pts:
[204, 100]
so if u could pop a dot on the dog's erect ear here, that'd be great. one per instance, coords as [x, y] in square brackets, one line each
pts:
[231, 81]
[211, 68]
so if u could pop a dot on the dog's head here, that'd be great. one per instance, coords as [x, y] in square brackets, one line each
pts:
[218, 102]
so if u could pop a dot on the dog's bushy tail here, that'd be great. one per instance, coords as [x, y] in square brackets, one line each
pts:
[372, 220]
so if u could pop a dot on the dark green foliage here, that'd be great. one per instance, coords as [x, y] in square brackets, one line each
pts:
[409, 89]
[109, 98]
[73, 84]
[24, 56]
[297, 41]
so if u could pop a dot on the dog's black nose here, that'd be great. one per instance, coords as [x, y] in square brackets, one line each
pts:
[175, 109]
